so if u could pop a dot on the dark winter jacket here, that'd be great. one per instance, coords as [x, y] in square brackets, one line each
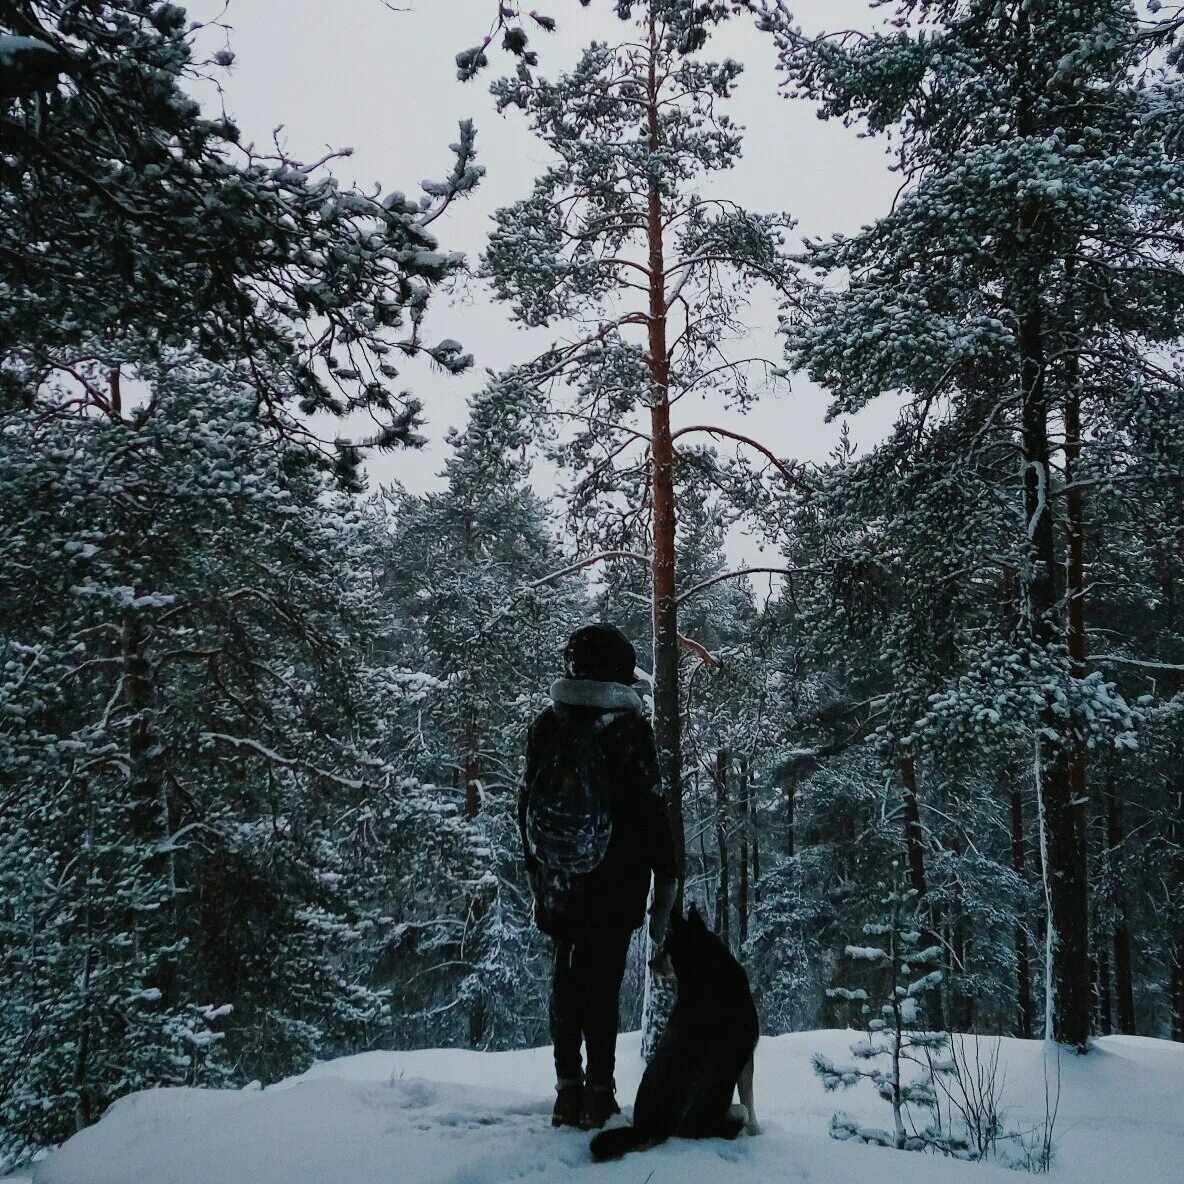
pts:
[641, 840]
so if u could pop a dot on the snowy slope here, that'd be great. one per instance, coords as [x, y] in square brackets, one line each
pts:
[447, 1116]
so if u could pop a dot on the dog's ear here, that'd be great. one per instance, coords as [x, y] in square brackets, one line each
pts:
[694, 919]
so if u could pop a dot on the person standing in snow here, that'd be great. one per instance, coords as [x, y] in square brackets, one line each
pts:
[592, 813]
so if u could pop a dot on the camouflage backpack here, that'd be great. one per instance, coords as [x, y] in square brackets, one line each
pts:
[568, 824]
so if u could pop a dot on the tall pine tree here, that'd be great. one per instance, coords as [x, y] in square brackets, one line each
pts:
[618, 245]
[1034, 249]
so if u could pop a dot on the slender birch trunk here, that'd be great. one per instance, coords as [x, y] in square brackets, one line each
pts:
[723, 887]
[1023, 961]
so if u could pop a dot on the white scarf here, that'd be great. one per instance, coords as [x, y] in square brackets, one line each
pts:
[586, 692]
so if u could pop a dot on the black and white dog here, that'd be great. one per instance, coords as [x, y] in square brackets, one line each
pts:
[704, 1054]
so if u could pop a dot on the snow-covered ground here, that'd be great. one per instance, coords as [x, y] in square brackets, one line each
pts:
[448, 1116]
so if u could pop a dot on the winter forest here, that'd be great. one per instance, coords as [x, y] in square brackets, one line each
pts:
[302, 490]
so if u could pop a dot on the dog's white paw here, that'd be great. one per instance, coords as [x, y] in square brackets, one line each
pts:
[740, 1111]
[737, 1110]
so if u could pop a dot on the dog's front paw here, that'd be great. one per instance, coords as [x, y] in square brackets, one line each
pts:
[742, 1113]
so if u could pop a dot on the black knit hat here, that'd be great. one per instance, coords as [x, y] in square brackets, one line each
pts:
[601, 653]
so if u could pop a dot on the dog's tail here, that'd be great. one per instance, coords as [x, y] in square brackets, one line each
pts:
[620, 1140]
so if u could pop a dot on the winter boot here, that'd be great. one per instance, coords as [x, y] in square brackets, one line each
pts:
[569, 1096]
[600, 1104]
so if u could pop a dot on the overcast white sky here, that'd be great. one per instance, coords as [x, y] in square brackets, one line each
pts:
[354, 73]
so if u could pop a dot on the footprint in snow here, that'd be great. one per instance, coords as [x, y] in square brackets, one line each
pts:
[731, 1152]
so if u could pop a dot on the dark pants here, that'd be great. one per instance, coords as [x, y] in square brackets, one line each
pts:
[585, 995]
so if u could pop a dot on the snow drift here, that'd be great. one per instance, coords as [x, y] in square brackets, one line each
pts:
[447, 1116]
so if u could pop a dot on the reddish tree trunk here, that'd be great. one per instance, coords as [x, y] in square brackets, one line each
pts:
[667, 722]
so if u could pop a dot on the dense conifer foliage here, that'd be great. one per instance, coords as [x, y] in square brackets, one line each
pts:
[262, 722]
[1021, 293]
[130, 222]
